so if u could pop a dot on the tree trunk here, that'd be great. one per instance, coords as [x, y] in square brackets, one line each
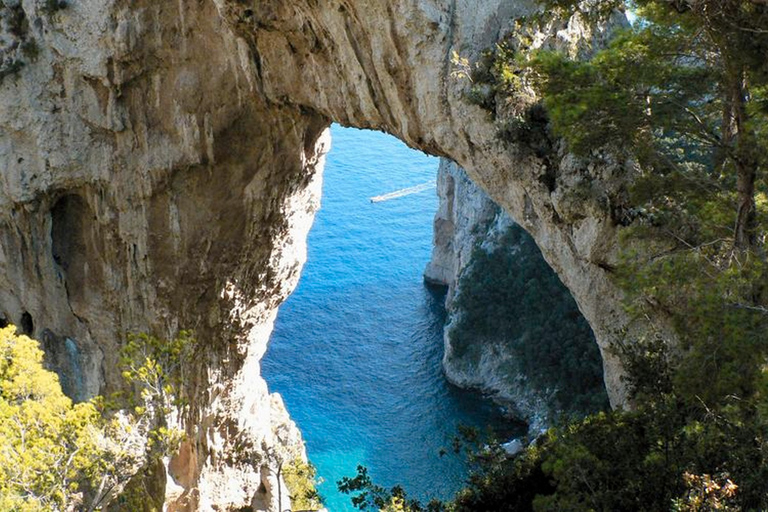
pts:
[727, 134]
[280, 487]
[744, 236]
[746, 167]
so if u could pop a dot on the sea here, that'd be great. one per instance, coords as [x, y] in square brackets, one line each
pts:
[356, 349]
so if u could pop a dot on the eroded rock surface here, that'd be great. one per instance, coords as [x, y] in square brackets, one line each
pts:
[160, 168]
[147, 187]
[464, 217]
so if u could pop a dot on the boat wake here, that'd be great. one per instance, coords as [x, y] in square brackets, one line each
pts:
[403, 192]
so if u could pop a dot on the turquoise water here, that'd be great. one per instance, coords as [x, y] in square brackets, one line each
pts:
[356, 349]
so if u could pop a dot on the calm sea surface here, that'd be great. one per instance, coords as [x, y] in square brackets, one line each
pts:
[356, 349]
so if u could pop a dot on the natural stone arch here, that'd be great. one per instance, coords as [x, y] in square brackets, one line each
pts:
[387, 65]
[194, 132]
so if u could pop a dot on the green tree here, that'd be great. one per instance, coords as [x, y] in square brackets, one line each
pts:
[57, 455]
[684, 91]
[136, 433]
[49, 450]
[301, 479]
[367, 495]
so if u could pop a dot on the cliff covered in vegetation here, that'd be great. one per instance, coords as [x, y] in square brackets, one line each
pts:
[513, 329]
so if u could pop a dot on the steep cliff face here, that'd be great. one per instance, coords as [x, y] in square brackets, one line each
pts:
[530, 349]
[468, 220]
[465, 217]
[160, 167]
[148, 187]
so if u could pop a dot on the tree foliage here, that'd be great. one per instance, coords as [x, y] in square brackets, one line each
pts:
[367, 495]
[49, 450]
[153, 367]
[301, 479]
[684, 92]
[57, 455]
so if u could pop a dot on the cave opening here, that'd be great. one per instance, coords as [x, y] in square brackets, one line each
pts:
[26, 324]
[371, 390]
[67, 240]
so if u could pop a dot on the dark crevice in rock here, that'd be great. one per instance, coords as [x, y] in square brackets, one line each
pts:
[62, 355]
[67, 244]
[26, 324]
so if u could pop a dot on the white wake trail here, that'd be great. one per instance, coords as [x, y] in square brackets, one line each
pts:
[403, 192]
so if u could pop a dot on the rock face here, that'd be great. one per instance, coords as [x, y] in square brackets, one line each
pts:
[161, 164]
[468, 219]
[148, 187]
[464, 218]
[476, 255]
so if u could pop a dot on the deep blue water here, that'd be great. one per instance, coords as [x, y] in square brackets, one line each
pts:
[356, 349]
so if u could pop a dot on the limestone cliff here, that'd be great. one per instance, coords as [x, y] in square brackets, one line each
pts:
[537, 359]
[161, 164]
[148, 187]
[464, 218]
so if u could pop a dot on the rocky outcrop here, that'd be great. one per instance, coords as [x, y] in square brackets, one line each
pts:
[480, 263]
[468, 220]
[148, 187]
[464, 217]
[161, 163]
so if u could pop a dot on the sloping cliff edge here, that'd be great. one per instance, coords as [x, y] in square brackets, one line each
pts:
[161, 164]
